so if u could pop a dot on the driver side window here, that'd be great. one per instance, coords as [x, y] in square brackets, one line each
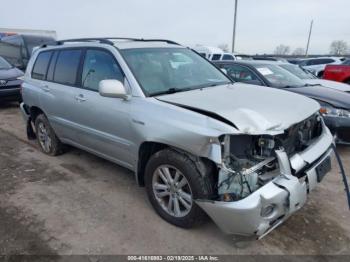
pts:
[241, 74]
[99, 65]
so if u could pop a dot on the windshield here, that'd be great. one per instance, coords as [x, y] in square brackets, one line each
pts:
[278, 77]
[297, 71]
[169, 70]
[4, 64]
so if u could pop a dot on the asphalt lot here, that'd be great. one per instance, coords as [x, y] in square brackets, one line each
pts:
[80, 204]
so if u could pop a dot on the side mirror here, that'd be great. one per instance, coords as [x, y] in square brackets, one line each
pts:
[112, 88]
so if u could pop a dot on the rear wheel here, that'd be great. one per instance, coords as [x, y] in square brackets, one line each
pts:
[173, 182]
[47, 139]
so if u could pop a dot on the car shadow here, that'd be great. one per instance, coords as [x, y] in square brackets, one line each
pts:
[7, 104]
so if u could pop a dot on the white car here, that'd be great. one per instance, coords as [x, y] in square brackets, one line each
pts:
[310, 79]
[317, 65]
[213, 53]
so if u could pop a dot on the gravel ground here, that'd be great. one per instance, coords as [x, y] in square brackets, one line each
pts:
[80, 204]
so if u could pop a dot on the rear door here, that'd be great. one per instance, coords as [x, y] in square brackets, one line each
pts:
[58, 99]
[104, 123]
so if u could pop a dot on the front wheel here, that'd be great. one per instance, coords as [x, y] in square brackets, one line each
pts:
[173, 182]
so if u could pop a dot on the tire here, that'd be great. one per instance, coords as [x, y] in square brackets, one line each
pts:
[43, 131]
[347, 82]
[199, 185]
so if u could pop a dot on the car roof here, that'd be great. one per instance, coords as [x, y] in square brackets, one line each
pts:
[322, 57]
[252, 62]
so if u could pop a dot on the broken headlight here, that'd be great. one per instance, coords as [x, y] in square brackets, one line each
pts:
[245, 160]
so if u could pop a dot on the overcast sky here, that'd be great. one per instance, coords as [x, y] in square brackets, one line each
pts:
[261, 24]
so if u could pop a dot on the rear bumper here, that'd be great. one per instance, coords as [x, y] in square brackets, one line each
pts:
[10, 94]
[284, 195]
[340, 128]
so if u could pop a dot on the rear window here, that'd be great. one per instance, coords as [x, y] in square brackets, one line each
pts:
[40, 66]
[216, 57]
[67, 67]
[228, 57]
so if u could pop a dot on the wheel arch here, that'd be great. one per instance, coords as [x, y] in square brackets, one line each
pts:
[34, 111]
[149, 148]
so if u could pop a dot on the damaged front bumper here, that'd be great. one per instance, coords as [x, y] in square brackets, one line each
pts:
[269, 206]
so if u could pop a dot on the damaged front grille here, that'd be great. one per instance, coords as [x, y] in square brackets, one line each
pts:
[249, 161]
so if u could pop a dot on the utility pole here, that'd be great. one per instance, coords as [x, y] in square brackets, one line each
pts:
[234, 27]
[308, 40]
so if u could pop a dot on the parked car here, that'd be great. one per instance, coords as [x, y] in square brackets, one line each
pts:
[310, 79]
[245, 155]
[269, 58]
[317, 65]
[335, 105]
[10, 81]
[243, 57]
[213, 53]
[339, 73]
[17, 49]
[295, 61]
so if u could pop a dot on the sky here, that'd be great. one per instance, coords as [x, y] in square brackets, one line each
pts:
[261, 24]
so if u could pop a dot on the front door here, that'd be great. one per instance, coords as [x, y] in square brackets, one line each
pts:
[104, 123]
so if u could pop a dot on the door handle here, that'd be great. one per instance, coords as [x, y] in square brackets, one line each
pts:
[80, 98]
[45, 88]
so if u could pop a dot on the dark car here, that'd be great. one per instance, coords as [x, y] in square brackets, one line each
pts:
[335, 104]
[269, 58]
[9, 81]
[17, 49]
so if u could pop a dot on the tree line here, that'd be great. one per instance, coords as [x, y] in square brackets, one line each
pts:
[337, 47]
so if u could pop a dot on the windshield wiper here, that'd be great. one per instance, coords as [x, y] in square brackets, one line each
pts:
[311, 85]
[170, 91]
[292, 86]
[176, 90]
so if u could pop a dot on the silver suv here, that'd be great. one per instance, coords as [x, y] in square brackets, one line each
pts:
[245, 155]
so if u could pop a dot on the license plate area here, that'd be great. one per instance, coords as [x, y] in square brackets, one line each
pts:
[323, 168]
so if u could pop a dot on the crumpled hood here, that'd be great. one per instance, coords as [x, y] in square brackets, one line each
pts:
[11, 73]
[252, 109]
[330, 84]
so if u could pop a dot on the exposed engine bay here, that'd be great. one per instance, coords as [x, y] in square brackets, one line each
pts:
[249, 161]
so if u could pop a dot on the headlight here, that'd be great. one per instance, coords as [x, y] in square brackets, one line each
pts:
[336, 112]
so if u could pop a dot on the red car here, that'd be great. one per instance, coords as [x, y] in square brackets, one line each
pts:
[339, 73]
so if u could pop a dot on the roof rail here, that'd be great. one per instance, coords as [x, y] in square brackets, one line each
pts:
[143, 40]
[61, 42]
[101, 40]
[107, 40]
[160, 40]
